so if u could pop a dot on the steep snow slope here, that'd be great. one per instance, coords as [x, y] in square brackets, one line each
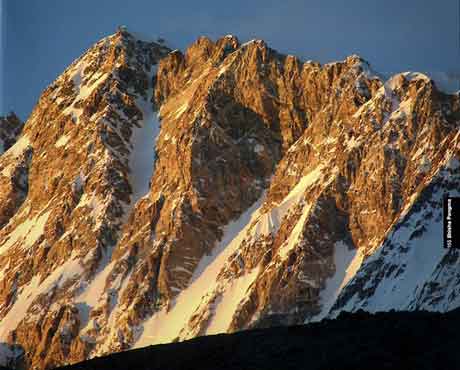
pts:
[346, 262]
[143, 145]
[166, 325]
[412, 258]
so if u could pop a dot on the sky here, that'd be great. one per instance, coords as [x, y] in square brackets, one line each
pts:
[44, 36]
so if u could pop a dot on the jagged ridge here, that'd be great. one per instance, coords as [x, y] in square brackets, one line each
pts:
[276, 186]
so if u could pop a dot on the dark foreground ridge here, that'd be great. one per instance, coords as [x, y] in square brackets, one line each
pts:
[392, 340]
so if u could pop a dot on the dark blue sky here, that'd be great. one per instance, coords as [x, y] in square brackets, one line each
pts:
[44, 36]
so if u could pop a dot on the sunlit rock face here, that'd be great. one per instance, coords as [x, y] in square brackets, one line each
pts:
[156, 195]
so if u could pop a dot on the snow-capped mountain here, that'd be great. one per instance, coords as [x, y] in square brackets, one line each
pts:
[155, 195]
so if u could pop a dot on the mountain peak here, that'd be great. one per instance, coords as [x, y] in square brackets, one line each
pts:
[263, 197]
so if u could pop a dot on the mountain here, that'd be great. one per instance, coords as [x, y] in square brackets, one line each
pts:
[155, 196]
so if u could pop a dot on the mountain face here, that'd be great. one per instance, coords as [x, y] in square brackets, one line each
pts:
[155, 195]
[13, 181]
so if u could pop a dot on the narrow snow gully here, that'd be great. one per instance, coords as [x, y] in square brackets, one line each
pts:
[143, 141]
[165, 326]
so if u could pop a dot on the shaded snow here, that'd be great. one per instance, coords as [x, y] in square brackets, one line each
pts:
[347, 262]
[447, 82]
[296, 234]
[395, 292]
[19, 147]
[425, 165]
[143, 153]
[408, 260]
[93, 291]
[8, 354]
[258, 148]
[157, 39]
[368, 72]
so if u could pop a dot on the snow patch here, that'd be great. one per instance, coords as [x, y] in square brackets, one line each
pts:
[229, 301]
[425, 165]
[347, 262]
[63, 140]
[164, 326]
[28, 293]
[84, 88]
[250, 42]
[93, 291]
[407, 260]
[415, 76]
[270, 222]
[26, 233]
[296, 235]
[258, 148]
[352, 143]
[19, 147]
[143, 142]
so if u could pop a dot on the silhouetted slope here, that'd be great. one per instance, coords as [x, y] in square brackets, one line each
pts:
[393, 340]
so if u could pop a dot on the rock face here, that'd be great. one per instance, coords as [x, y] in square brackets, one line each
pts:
[274, 191]
[10, 128]
[76, 162]
[13, 178]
